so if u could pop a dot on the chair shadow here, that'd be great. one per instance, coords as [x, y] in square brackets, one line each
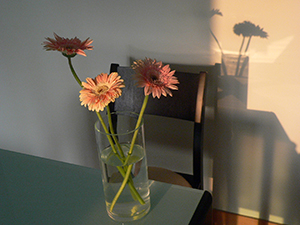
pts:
[254, 156]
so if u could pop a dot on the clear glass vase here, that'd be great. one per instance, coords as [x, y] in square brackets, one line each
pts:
[133, 201]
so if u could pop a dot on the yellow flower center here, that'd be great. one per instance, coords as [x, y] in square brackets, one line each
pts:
[100, 90]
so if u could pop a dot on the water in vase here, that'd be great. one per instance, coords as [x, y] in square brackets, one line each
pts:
[127, 207]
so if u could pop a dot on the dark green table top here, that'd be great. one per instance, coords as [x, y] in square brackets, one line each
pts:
[38, 191]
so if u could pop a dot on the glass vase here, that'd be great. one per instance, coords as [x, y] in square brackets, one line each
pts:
[133, 202]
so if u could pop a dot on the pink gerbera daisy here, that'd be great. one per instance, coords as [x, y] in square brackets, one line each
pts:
[99, 92]
[69, 47]
[154, 77]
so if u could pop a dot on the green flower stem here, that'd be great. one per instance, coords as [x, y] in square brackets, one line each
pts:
[123, 171]
[98, 114]
[137, 130]
[134, 192]
[121, 188]
[108, 136]
[127, 175]
[73, 72]
[113, 132]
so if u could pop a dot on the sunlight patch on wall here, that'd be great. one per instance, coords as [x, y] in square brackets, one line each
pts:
[248, 212]
[255, 214]
[274, 50]
[276, 219]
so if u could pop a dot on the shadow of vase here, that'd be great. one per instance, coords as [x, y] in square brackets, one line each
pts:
[233, 81]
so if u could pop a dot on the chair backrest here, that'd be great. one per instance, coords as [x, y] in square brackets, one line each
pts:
[187, 103]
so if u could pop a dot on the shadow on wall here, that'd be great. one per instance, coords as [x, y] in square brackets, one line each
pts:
[233, 81]
[255, 164]
[235, 65]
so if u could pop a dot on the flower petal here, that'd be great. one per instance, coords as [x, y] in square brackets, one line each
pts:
[99, 92]
[68, 47]
[154, 77]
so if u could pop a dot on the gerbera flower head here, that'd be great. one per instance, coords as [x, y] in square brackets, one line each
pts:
[68, 47]
[155, 78]
[99, 92]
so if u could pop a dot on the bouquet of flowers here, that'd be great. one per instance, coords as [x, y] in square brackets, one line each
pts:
[97, 93]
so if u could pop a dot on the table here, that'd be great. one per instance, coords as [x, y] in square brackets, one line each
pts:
[38, 191]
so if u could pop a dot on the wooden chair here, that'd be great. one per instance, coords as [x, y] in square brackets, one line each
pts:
[187, 103]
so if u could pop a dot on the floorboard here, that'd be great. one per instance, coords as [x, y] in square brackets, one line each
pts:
[225, 218]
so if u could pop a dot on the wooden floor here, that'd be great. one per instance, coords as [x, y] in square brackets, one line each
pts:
[225, 218]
